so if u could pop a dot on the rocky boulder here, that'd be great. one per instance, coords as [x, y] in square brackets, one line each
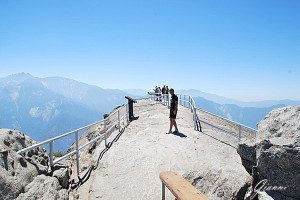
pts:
[275, 156]
[26, 176]
[63, 175]
[280, 165]
[18, 171]
[282, 124]
[219, 184]
[44, 188]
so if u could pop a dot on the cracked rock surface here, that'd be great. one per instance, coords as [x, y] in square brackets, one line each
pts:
[275, 156]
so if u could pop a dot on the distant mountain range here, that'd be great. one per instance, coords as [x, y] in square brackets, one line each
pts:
[247, 113]
[224, 100]
[46, 107]
[93, 97]
[248, 116]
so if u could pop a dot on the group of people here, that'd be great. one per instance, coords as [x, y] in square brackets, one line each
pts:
[173, 105]
[160, 92]
[163, 90]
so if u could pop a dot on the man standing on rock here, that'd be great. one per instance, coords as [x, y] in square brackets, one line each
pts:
[173, 110]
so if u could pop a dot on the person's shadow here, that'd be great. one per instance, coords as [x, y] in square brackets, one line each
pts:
[177, 133]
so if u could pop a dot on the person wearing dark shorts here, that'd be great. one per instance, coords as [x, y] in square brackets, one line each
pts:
[173, 111]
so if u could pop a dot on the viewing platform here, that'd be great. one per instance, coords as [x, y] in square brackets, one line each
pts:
[130, 167]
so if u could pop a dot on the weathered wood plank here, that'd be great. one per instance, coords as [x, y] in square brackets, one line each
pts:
[180, 187]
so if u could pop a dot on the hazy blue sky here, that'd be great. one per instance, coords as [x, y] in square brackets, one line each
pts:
[248, 50]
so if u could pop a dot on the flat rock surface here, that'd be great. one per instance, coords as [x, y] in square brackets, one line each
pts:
[130, 168]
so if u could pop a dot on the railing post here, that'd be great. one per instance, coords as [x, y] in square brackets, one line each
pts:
[77, 152]
[189, 104]
[239, 134]
[51, 153]
[195, 120]
[105, 133]
[180, 99]
[193, 113]
[127, 114]
[163, 189]
[186, 99]
[119, 121]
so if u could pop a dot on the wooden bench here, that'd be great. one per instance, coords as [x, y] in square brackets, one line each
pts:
[180, 187]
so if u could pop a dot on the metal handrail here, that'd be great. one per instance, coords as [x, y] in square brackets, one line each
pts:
[231, 121]
[56, 138]
[86, 144]
[64, 157]
[239, 125]
[191, 104]
[78, 148]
